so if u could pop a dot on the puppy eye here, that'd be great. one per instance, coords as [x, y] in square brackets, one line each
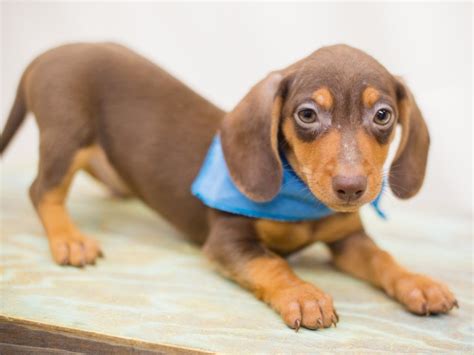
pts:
[383, 117]
[307, 115]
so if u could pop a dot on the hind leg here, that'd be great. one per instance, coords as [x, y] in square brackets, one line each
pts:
[100, 169]
[48, 194]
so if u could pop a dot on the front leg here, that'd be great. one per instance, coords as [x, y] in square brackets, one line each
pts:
[359, 256]
[233, 244]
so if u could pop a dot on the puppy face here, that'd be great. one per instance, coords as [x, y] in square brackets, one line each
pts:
[337, 122]
[333, 115]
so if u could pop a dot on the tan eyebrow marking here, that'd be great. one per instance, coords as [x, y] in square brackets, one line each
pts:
[370, 97]
[323, 98]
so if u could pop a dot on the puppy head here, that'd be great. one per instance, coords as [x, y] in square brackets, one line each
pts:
[333, 114]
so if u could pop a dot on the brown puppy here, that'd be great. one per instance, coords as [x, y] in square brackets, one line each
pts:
[105, 109]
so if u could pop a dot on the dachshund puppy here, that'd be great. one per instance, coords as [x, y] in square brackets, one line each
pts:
[328, 120]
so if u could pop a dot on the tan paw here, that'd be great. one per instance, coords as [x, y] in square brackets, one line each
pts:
[76, 250]
[424, 296]
[304, 305]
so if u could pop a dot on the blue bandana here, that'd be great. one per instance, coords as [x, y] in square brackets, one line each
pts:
[295, 202]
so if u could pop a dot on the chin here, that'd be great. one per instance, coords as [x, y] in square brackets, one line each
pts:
[345, 207]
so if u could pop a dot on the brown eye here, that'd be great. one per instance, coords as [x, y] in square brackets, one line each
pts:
[307, 115]
[383, 117]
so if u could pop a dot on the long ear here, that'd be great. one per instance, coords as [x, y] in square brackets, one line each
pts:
[407, 171]
[249, 135]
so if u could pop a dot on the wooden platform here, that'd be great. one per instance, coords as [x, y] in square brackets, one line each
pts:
[153, 292]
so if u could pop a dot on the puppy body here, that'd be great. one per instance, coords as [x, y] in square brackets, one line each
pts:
[131, 125]
[154, 130]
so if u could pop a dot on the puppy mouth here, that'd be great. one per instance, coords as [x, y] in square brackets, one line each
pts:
[337, 205]
[341, 206]
[345, 206]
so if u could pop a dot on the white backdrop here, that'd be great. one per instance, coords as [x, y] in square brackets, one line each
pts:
[221, 49]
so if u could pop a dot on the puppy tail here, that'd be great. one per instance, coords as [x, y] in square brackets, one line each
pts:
[15, 119]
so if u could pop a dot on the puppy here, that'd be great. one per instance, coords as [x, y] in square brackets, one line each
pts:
[329, 119]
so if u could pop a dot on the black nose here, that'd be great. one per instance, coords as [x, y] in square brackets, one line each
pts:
[349, 188]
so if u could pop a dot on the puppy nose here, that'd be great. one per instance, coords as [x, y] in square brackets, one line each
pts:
[349, 188]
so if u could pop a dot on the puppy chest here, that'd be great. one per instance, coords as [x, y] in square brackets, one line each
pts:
[284, 237]
[287, 237]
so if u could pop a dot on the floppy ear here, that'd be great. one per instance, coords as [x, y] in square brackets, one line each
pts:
[249, 135]
[407, 171]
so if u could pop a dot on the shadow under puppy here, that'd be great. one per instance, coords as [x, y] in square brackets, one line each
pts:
[328, 118]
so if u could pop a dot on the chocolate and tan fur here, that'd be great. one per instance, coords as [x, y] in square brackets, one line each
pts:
[108, 111]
